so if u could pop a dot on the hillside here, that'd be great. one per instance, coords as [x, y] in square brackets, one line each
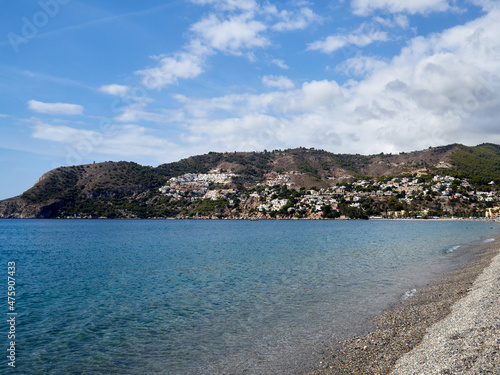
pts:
[237, 184]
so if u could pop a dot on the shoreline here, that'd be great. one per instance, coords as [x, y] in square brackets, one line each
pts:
[404, 327]
[213, 218]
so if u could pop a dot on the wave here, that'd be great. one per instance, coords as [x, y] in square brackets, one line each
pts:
[489, 240]
[409, 293]
[452, 249]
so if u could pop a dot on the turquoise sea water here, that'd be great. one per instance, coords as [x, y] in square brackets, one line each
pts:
[210, 297]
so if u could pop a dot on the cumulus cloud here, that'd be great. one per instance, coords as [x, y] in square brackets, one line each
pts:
[296, 21]
[279, 82]
[358, 39]
[366, 7]
[237, 27]
[360, 66]
[172, 68]
[55, 108]
[114, 89]
[440, 89]
[231, 34]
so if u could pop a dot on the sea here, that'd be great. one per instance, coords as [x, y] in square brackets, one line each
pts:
[209, 296]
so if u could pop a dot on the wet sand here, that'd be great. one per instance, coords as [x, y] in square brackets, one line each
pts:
[429, 326]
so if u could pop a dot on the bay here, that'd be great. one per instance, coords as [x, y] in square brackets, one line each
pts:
[212, 297]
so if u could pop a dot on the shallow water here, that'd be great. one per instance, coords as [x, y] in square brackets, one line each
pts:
[211, 297]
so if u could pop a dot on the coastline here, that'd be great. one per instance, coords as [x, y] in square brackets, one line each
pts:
[215, 218]
[401, 333]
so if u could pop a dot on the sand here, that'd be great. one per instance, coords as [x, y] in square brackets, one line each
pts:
[449, 327]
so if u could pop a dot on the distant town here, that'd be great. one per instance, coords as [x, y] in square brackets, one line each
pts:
[409, 196]
[452, 181]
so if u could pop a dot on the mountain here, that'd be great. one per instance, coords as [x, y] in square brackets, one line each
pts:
[209, 185]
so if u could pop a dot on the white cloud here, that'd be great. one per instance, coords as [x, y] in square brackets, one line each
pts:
[402, 21]
[119, 141]
[280, 63]
[384, 21]
[441, 89]
[180, 66]
[336, 42]
[232, 105]
[231, 34]
[296, 21]
[131, 113]
[55, 108]
[486, 4]
[114, 89]
[366, 7]
[134, 140]
[238, 27]
[211, 33]
[279, 82]
[60, 133]
[314, 96]
[360, 65]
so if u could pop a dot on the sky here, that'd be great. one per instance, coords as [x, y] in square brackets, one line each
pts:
[154, 81]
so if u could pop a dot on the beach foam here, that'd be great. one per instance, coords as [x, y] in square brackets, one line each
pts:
[409, 293]
[452, 249]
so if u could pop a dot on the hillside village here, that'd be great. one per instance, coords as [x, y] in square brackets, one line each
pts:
[408, 196]
[446, 181]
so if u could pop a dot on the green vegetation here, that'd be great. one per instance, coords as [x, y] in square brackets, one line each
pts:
[125, 189]
[329, 213]
[352, 212]
[305, 166]
[353, 163]
[207, 206]
[53, 187]
[480, 164]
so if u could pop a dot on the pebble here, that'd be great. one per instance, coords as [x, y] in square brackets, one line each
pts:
[403, 332]
[465, 342]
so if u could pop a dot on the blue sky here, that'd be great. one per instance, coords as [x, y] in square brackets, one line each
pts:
[154, 82]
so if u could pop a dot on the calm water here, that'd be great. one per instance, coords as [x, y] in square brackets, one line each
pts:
[210, 297]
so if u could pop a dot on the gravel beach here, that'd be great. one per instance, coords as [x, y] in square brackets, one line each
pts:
[468, 340]
[452, 326]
